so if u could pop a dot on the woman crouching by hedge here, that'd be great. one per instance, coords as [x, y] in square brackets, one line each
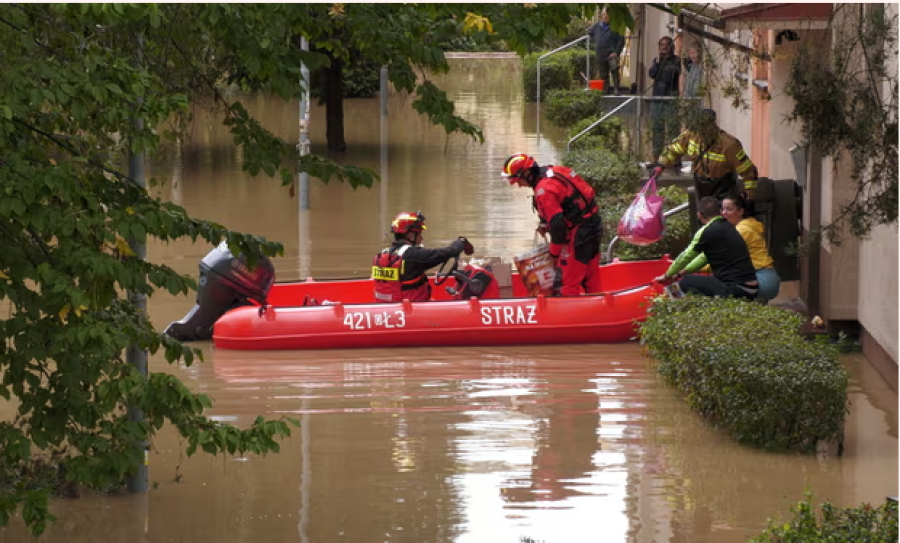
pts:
[734, 210]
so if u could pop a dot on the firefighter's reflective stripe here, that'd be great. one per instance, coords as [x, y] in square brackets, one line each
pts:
[386, 268]
[744, 166]
[385, 274]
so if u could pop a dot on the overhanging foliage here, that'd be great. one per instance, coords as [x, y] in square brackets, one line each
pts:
[845, 99]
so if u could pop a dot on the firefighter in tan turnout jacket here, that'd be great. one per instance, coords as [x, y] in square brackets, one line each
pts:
[716, 164]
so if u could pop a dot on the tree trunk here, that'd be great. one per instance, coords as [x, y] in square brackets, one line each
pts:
[334, 107]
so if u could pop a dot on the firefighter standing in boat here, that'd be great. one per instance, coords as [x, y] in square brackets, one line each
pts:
[399, 270]
[568, 211]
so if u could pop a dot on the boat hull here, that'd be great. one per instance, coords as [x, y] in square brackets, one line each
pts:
[602, 318]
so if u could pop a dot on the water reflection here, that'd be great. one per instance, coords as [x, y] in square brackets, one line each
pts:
[566, 443]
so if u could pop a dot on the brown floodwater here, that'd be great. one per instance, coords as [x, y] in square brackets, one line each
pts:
[557, 444]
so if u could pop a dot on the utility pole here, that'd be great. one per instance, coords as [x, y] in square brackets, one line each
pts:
[133, 355]
[384, 147]
[303, 145]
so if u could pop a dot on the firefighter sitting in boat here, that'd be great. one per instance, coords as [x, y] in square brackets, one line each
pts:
[399, 270]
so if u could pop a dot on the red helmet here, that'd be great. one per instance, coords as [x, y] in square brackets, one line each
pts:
[408, 222]
[516, 165]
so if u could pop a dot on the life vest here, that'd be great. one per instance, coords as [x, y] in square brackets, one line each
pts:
[579, 203]
[387, 274]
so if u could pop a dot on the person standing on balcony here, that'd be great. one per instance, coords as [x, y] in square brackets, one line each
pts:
[608, 47]
[665, 73]
[692, 75]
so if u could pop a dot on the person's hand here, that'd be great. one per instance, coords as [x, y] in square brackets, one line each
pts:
[612, 55]
[541, 229]
[467, 248]
[657, 171]
[662, 279]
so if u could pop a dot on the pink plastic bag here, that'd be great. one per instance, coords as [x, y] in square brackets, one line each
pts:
[643, 222]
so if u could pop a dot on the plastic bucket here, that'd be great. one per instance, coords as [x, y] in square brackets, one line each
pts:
[597, 84]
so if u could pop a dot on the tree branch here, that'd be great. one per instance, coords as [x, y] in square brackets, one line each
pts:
[90, 161]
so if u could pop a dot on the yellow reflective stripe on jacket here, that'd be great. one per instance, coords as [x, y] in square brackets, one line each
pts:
[693, 148]
[715, 157]
[751, 184]
[744, 166]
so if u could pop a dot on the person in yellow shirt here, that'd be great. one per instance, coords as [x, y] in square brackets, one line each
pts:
[717, 158]
[734, 210]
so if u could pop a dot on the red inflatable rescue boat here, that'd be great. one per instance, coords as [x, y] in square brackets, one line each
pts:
[342, 314]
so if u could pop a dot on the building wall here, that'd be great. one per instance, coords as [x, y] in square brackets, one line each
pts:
[840, 264]
[878, 290]
[783, 135]
[737, 121]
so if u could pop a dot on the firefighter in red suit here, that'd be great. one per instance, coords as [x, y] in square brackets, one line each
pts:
[399, 270]
[568, 211]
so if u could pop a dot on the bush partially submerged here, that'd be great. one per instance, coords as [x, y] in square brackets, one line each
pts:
[863, 524]
[612, 134]
[746, 368]
[566, 108]
[561, 70]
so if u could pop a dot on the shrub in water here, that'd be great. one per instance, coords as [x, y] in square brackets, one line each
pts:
[746, 368]
[863, 524]
[610, 134]
[558, 71]
[565, 108]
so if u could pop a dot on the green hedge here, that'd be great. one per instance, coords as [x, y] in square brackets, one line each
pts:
[558, 71]
[568, 107]
[611, 174]
[863, 524]
[613, 134]
[746, 368]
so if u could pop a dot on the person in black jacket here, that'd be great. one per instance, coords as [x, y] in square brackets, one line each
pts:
[398, 271]
[608, 47]
[719, 244]
[666, 74]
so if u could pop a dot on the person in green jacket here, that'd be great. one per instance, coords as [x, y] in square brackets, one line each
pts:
[717, 243]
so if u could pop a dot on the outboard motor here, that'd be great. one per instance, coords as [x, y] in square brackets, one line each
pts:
[226, 282]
